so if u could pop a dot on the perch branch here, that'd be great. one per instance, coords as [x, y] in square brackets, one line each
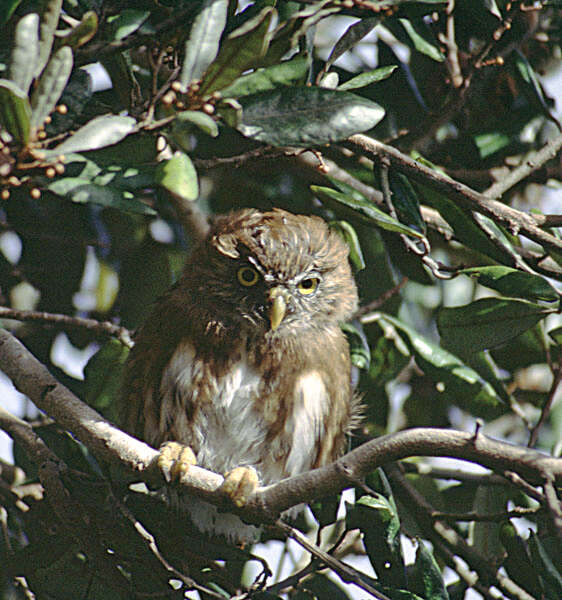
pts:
[109, 443]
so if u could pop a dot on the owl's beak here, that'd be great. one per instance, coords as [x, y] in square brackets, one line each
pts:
[277, 307]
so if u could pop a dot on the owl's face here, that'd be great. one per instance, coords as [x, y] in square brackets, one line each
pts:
[276, 271]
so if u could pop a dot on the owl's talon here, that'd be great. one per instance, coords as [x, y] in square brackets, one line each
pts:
[239, 484]
[174, 460]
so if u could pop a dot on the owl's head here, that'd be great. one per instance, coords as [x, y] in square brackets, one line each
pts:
[275, 270]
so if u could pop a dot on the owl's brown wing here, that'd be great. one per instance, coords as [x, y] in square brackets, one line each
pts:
[140, 389]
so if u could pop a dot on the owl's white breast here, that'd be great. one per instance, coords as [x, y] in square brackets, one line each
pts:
[228, 428]
[225, 430]
[306, 422]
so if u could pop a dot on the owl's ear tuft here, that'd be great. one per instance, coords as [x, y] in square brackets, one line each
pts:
[226, 243]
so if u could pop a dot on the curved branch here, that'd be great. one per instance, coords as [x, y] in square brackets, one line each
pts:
[104, 328]
[106, 441]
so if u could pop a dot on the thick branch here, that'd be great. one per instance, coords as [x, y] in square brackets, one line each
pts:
[109, 443]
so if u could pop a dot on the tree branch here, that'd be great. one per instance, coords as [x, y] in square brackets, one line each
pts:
[515, 220]
[348, 574]
[102, 328]
[532, 162]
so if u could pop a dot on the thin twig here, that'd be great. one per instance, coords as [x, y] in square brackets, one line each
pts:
[99, 50]
[153, 547]
[545, 411]
[347, 573]
[441, 533]
[453, 63]
[102, 328]
[378, 302]
[554, 506]
[436, 472]
[532, 162]
[515, 513]
[523, 485]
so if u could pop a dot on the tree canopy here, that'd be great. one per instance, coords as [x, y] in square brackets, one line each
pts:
[424, 132]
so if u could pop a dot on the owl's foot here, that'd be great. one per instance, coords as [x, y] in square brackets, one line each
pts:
[239, 484]
[174, 460]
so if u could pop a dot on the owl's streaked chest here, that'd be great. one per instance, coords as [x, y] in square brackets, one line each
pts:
[231, 418]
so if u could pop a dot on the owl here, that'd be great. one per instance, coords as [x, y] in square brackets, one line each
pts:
[242, 367]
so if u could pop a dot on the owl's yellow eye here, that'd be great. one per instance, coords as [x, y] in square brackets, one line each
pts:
[308, 286]
[247, 276]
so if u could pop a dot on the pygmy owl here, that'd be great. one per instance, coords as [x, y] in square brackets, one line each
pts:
[243, 359]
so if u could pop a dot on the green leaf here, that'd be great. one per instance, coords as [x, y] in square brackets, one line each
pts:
[8, 8]
[556, 335]
[419, 34]
[466, 230]
[306, 116]
[462, 384]
[512, 282]
[202, 44]
[128, 21]
[25, 51]
[405, 200]
[493, 8]
[83, 191]
[102, 378]
[483, 362]
[187, 118]
[517, 563]
[389, 355]
[427, 567]
[377, 518]
[178, 176]
[97, 133]
[352, 35]
[15, 111]
[545, 565]
[51, 86]
[530, 83]
[368, 77]
[288, 72]
[491, 142]
[358, 346]
[242, 50]
[48, 26]
[487, 323]
[364, 210]
[485, 535]
[82, 33]
[349, 234]
[107, 287]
